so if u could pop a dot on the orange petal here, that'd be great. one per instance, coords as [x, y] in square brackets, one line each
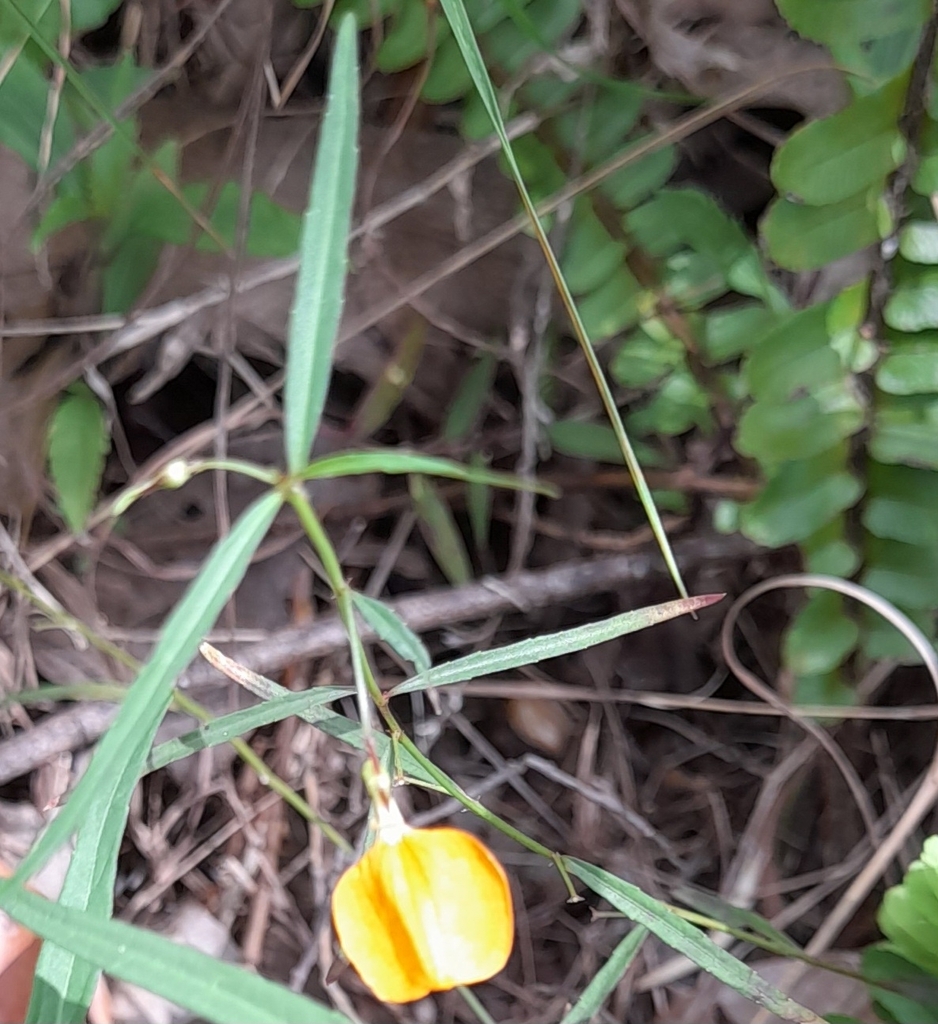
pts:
[424, 914]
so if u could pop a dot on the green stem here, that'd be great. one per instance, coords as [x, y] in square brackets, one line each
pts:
[369, 693]
[475, 1004]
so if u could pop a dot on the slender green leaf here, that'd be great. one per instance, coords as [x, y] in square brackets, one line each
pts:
[470, 398]
[686, 939]
[606, 978]
[209, 988]
[317, 304]
[339, 727]
[389, 626]
[226, 728]
[440, 531]
[98, 808]
[79, 440]
[395, 461]
[527, 652]
[462, 32]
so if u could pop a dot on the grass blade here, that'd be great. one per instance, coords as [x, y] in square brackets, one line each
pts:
[320, 282]
[606, 978]
[686, 939]
[224, 729]
[462, 31]
[210, 988]
[395, 462]
[440, 532]
[98, 807]
[539, 648]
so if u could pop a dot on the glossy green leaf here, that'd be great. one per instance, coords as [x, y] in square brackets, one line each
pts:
[827, 551]
[807, 237]
[830, 688]
[406, 40]
[238, 723]
[853, 19]
[913, 304]
[98, 807]
[554, 645]
[630, 185]
[23, 96]
[796, 356]
[798, 501]
[605, 980]
[675, 218]
[918, 242]
[836, 157]
[881, 640]
[800, 428]
[390, 628]
[873, 38]
[901, 504]
[901, 991]
[906, 574]
[317, 304]
[925, 177]
[210, 988]
[595, 132]
[590, 256]
[510, 46]
[642, 359]
[686, 939]
[821, 636]
[612, 307]
[908, 915]
[678, 405]
[449, 78]
[728, 333]
[79, 439]
[906, 430]
[910, 369]
[594, 441]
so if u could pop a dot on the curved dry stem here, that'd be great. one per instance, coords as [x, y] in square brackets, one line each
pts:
[927, 793]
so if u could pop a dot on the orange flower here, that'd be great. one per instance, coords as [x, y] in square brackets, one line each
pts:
[423, 910]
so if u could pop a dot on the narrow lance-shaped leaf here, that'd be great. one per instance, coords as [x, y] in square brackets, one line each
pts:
[389, 626]
[539, 648]
[78, 442]
[320, 282]
[606, 978]
[211, 989]
[689, 940]
[98, 808]
[224, 729]
[396, 461]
